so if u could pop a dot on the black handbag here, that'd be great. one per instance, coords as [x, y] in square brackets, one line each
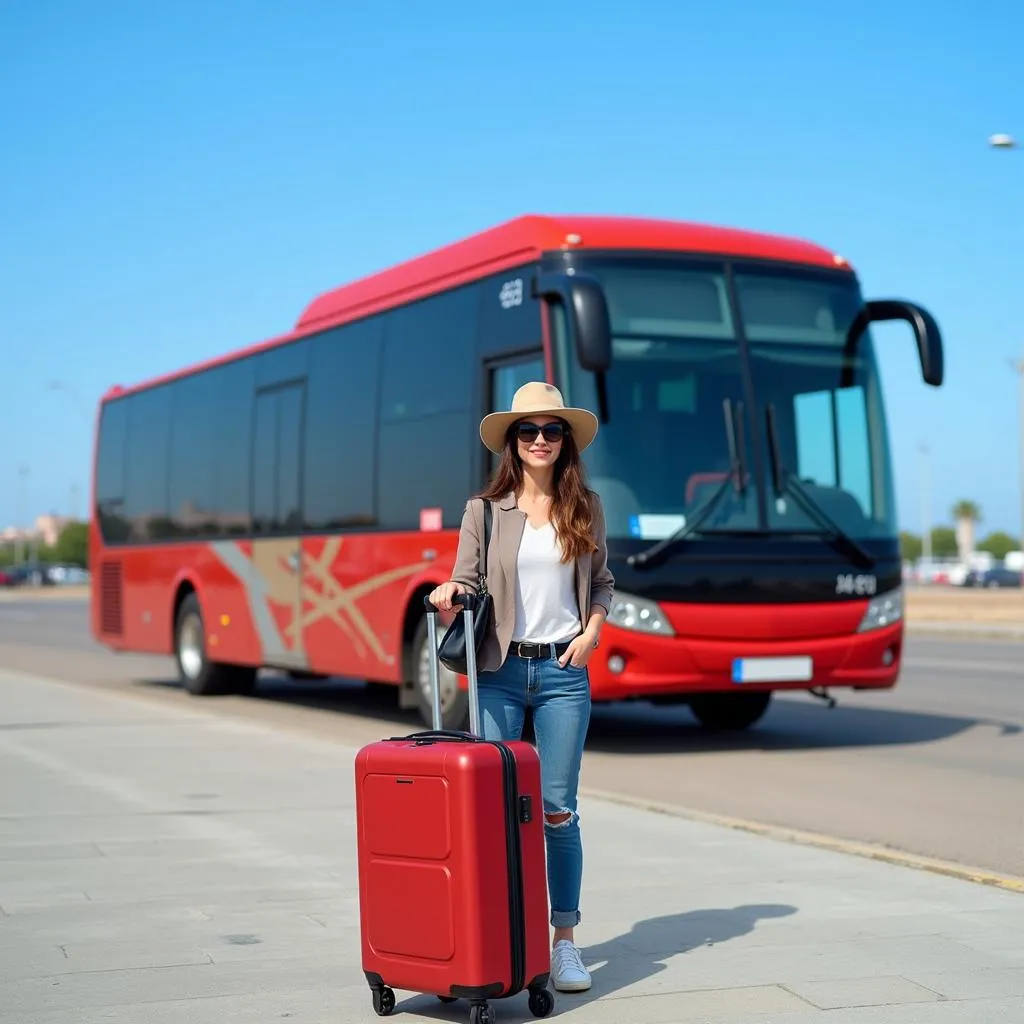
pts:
[452, 650]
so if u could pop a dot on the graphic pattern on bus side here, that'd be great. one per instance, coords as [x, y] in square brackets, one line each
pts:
[283, 608]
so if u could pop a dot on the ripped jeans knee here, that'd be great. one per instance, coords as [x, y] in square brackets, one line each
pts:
[559, 819]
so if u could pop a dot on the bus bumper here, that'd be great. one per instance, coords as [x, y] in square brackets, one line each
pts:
[632, 665]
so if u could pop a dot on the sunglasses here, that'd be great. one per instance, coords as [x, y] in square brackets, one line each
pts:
[553, 432]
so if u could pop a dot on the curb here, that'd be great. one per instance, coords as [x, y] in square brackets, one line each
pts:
[68, 592]
[834, 844]
[960, 630]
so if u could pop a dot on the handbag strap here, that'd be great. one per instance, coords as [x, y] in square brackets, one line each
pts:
[483, 548]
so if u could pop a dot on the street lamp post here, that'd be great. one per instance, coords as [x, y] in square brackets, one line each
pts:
[1002, 140]
[1018, 366]
[19, 550]
[926, 526]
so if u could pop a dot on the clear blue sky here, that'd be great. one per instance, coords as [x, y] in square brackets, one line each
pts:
[179, 179]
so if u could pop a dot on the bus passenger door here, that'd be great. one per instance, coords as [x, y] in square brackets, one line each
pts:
[275, 585]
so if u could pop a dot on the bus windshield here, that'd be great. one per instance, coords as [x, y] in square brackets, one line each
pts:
[677, 357]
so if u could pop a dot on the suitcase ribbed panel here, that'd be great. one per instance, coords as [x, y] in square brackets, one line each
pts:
[111, 602]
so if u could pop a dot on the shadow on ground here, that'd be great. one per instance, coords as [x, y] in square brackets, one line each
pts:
[624, 961]
[635, 728]
[791, 723]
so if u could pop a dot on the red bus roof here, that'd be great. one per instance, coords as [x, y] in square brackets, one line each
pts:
[507, 245]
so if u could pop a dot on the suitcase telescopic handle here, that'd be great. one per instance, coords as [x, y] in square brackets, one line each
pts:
[471, 601]
[434, 735]
[469, 604]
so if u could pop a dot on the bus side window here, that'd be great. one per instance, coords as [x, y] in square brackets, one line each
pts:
[341, 430]
[427, 416]
[277, 453]
[110, 471]
[145, 465]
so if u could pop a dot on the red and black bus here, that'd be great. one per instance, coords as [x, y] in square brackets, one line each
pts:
[288, 506]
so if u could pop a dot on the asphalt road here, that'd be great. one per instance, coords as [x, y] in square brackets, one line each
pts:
[935, 767]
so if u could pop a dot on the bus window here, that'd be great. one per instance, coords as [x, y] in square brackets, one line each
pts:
[145, 464]
[233, 442]
[193, 456]
[505, 381]
[429, 396]
[341, 427]
[277, 460]
[110, 471]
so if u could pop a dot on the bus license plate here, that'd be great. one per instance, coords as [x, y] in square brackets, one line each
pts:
[772, 670]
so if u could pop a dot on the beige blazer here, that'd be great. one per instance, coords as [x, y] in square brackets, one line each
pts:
[594, 582]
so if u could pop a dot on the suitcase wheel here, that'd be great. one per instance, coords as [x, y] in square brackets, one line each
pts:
[542, 1002]
[481, 1013]
[383, 1001]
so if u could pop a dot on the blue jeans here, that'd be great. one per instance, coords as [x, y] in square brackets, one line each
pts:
[560, 701]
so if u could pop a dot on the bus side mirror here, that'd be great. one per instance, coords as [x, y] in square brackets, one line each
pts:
[587, 315]
[926, 331]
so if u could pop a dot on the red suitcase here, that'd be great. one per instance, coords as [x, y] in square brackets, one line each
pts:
[452, 875]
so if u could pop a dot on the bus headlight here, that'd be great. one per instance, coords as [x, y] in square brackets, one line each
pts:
[639, 614]
[883, 610]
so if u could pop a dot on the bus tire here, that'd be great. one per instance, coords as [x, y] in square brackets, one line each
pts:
[198, 675]
[730, 712]
[454, 701]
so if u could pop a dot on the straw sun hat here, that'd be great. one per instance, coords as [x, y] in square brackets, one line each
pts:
[537, 399]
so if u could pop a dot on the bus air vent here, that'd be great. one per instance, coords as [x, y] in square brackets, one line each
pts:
[111, 607]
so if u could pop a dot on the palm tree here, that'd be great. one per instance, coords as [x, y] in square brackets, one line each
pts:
[966, 513]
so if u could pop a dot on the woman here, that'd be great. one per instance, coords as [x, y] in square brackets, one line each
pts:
[547, 573]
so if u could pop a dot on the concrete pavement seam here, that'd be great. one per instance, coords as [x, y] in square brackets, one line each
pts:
[800, 837]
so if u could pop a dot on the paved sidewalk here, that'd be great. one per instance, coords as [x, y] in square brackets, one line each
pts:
[161, 866]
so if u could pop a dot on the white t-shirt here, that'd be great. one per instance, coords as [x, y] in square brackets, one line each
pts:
[547, 610]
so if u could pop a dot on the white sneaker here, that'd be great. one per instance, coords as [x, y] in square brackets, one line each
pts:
[567, 971]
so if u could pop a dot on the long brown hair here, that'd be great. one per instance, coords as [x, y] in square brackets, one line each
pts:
[572, 512]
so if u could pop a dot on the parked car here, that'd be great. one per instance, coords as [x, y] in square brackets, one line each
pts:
[33, 574]
[995, 576]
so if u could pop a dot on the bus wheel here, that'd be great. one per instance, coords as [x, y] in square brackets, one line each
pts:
[198, 675]
[454, 702]
[730, 711]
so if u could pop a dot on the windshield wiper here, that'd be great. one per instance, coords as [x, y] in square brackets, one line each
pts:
[785, 482]
[737, 476]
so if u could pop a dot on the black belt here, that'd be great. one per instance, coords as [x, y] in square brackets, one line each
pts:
[525, 649]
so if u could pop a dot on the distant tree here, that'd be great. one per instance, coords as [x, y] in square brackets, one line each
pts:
[910, 546]
[965, 514]
[998, 544]
[73, 545]
[943, 542]
[967, 509]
